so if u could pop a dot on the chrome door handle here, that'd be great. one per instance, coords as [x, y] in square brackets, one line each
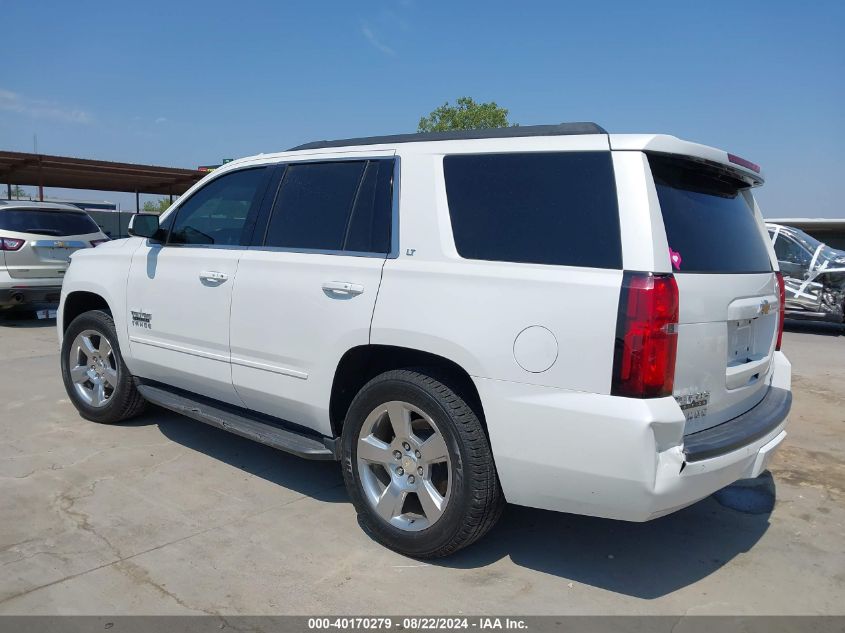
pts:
[213, 275]
[343, 288]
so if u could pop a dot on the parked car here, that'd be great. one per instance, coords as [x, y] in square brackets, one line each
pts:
[552, 316]
[814, 274]
[36, 242]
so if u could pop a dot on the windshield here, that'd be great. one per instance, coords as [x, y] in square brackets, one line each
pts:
[47, 222]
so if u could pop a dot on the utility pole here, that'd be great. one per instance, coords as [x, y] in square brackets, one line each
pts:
[40, 181]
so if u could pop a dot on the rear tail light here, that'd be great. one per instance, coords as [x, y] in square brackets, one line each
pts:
[10, 244]
[95, 242]
[781, 307]
[646, 336]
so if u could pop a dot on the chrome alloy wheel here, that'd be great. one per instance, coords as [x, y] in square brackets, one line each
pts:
[93, 368]
[404, 466]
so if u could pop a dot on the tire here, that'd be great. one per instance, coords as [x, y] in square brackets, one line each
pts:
[419, 525]
[115, 402]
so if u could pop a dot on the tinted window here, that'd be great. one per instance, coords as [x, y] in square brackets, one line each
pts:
[341, 205]
[47, 222]
[313, 205]
[369, 227]
[543, 208]
[708, 221]
[217, 213]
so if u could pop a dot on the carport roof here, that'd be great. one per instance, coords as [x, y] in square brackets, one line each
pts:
[21, 168]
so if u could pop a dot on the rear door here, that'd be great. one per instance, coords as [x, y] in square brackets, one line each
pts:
[728, 291]
[305, 293]
[49, 236]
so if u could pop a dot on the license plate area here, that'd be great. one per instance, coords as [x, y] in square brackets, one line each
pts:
[740, 341]
[749, 346]
[54, 254]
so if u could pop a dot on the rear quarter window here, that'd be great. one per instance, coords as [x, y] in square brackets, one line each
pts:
[555, 208]
[709, 223]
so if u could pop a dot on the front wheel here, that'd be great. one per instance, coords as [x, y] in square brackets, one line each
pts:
[95, 376]
[418, 465]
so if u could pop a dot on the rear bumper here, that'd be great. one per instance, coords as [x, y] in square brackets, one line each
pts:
[22, 293]
[742, 430]
[622, 458]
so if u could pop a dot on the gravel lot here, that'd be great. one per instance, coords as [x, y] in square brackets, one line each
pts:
[168, 516]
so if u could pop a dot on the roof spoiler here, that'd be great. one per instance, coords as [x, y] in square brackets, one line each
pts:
[740, 168]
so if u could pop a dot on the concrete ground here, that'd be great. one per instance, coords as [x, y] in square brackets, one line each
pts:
[168, 516]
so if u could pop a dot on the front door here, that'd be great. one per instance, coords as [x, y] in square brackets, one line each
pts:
[179, 293]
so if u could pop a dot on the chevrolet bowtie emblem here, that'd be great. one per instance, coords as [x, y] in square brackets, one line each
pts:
[58, 244]
[765, 307]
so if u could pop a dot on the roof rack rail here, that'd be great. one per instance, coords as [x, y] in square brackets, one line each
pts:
[562, 129]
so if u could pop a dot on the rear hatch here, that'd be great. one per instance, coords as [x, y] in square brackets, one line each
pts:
[728, 292]
[49, 237]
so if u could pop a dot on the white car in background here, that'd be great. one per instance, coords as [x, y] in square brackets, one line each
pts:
[36, 242]
[553, 316]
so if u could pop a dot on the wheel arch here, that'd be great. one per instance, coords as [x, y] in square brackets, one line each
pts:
[79, 302]
[362, 363]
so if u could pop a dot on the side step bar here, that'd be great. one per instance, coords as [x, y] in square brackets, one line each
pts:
[240, 422]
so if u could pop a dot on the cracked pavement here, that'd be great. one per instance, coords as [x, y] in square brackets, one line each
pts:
[164, 515]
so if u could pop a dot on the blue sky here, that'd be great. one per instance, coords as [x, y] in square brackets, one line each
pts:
[190, 83]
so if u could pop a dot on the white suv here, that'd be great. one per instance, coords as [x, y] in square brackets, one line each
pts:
[36, 242]
[551, 316]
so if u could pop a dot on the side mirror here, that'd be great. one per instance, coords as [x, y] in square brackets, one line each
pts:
[144, 225]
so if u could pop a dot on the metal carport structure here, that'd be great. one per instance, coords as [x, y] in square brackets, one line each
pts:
[44, 170]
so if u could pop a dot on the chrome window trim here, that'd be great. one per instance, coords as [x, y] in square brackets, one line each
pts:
[315, 251]
[394, 219]
[219, 247]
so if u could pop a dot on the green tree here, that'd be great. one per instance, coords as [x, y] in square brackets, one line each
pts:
[466, 114]
[156, 206]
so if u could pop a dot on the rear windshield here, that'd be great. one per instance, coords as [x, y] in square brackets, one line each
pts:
[47, 222]
[543, 208]
[710, 225]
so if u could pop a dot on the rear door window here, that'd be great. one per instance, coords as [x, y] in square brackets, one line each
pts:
[710, 225]
[52, 222]
[554, 208]
[369, 228]
[338, 206]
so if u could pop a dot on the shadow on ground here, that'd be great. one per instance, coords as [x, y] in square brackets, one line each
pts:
[24, 319]
[644, 560]
[320, 480]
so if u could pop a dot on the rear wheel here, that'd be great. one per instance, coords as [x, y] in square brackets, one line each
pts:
[418, 465]
[95, 376]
